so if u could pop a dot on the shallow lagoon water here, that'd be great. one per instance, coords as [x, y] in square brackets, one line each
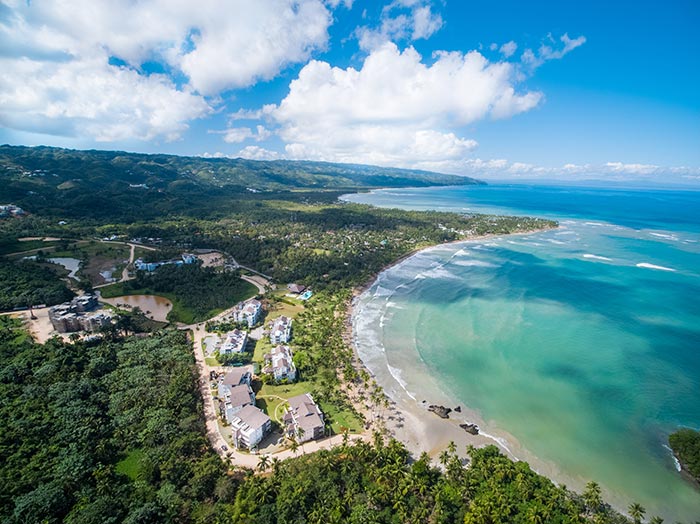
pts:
[583, 343]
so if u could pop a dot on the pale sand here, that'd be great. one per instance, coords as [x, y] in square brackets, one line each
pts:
[409, 421]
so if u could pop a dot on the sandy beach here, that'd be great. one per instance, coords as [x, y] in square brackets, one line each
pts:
[408, 419]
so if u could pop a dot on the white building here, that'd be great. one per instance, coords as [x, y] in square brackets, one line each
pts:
[248, 312]
[279, 364]
[281, 330]
[234, 342]
[249, 425]
[232, 400]
[304, 419]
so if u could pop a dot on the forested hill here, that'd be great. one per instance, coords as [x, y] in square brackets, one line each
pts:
[53, 180]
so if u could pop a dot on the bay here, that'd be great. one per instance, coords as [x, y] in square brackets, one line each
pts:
[581, 343]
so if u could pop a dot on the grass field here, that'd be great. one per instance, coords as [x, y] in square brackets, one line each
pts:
[341, 420]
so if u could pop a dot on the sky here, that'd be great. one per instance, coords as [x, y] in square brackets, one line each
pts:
[506, 90]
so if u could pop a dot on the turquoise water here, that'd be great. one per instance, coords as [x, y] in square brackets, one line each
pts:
[582, 343]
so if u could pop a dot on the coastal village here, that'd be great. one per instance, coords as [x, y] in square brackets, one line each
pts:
[256, 400]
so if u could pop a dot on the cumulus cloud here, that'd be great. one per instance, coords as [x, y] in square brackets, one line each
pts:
[87, 68]
[395, 110]
[508, 49]
[401, 20]
[92, 98]
[258, 153]
[235, 135]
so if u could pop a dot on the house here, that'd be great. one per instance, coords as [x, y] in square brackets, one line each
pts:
[304, 419]
[235, 392]
[234, 342]
[249, 425]
[248, 312]
[281, 330]
[296, 288]
[234, 399]
[279, 364]
[241, 375]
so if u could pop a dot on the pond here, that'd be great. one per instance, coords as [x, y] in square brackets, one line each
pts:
[153, 306]
[71, 264]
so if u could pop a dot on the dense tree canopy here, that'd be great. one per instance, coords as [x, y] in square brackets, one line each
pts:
[686, 445]
[25, 284]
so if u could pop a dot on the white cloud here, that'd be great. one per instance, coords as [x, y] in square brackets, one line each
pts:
[258, 153]
[547, 52]
[91, 98]
[637, 169]
[612, 171]
[425, 23]
[235, 135]
[395, 110]
[508, 49]
[401, 20]
[241, 42]
[61, 61]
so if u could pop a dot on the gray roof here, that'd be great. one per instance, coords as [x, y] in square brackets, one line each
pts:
[240, 395]
[253, 417]
[235, 377]
[307, 412]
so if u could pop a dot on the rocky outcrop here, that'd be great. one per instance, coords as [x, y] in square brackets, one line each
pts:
[470, 428]
[440, 411]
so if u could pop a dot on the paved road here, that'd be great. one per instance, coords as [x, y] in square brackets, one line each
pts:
[210, 412]
[125, 272]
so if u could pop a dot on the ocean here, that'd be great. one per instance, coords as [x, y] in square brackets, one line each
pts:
[577, 347]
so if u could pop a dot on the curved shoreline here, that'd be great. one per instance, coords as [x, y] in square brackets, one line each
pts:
[424, 431]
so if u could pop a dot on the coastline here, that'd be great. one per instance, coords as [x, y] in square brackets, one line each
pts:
[419, 429]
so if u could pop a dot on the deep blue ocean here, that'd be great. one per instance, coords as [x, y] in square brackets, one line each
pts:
[581, 343]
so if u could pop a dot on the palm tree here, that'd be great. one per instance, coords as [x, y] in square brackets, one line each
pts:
[444, 458]
[263, 463]
[636, 512]
[592, 496]
[452, 447]
[294, 446]
[656, 520]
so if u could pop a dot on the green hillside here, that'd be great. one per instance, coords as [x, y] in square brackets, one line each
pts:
[112, 184]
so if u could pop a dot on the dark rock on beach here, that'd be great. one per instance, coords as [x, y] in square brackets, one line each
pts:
[440, 411]
[458, 409]
[470, 428]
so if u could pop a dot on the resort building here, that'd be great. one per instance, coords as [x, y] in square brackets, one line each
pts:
[304, 419]
[234, 342]
[248, 312]
[73, 316]
[238, 376]
[249, 425]
[185, 258]
[234, 399]
[281, 330]
[235, 392]
[279, 364]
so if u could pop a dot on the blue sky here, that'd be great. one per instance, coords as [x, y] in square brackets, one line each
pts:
[517, 90]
